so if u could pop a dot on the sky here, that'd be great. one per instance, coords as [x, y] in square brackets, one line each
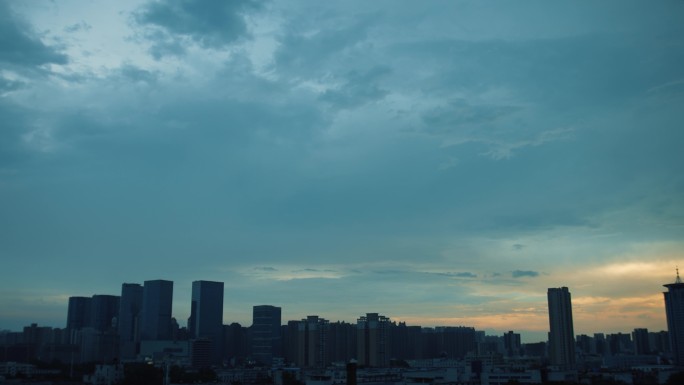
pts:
[438, 162]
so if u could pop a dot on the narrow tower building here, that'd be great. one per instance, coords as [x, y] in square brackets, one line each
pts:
[674, 311]
[561, 334]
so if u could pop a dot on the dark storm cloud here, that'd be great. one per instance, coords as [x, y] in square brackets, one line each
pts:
[20, 45]
[524, 273]
[211, 24]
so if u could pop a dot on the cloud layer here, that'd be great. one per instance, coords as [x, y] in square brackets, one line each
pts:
[441, 163]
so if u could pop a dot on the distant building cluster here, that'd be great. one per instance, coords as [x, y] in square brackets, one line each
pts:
[137, 327]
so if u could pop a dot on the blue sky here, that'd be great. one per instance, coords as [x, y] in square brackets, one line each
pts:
[439, 162]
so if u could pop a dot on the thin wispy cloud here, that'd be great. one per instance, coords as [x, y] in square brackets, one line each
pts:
[524, 273]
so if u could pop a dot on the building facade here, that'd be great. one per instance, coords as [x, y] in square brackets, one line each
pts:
[674, 311]
[312, 342]
[156, 310]
[512, 344]
[373, 340]
[562, 334]
[78, 313]
[130, 307]
[266, 341]
[206, 316]
[104, 312]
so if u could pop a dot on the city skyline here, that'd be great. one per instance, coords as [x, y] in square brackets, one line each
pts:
[558, 312]
[441, 163]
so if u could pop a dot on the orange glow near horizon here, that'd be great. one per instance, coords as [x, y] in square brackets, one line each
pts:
[591, 315]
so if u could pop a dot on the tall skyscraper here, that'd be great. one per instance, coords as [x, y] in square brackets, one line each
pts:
[373, 340]
[156, 310]
[674, 311]
[104, 312]
[78, 314]
[561, 335]
[130, 307]
[265, 333]
[206, 316]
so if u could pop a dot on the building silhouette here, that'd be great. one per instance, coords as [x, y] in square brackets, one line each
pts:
[104, 312]
[674, 311]
[406, 341]
[312, 342]
[235, 343]
[130, 307]
[342, 341]
[156, 310]
[659, 341]
[641, 341]
[561, 335]
[373, 340]
[512, 344]
[266, 341]
[78, 313]
[206, 316]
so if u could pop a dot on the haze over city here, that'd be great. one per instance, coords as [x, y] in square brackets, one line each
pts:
[441, 163]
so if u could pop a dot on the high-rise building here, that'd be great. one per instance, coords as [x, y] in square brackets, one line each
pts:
[561, 335]
[641, 342]
[289, 335]
[342, 341]
[512, 344]
[601, 344]
[659, 341]
[458, 341]
[373, 340]
[104, 312]
[235, 342]
[156, 310]
[130, 307]
[206, 316]
[266, 342]
[78, 314]
[312, 342]
[674, 311]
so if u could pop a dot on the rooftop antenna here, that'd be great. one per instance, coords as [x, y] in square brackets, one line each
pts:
[678, 280]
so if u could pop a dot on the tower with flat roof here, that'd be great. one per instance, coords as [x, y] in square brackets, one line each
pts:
[561, 334]
[266, 341]
[206, 316]
[156, 310]
[312, 342]
[130, 307]
[373, 340]
[674, 311]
